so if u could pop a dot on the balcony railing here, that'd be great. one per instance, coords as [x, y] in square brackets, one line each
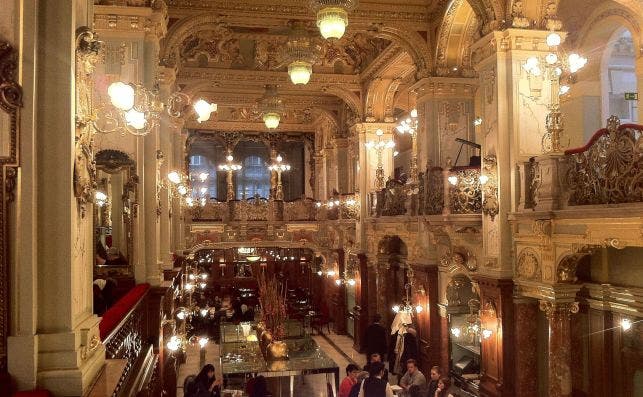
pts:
[438, 192]
[345, 206]
[607, 170]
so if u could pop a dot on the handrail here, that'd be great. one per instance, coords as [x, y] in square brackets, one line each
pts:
[116, 316]
[599, 134]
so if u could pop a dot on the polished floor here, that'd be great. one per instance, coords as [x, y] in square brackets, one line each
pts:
[338, 347]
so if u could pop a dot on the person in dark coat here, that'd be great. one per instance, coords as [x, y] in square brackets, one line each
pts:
[410, 345]
[260, 387]
[376, 358]
[374, 385]
[205, 384]
[376, 338]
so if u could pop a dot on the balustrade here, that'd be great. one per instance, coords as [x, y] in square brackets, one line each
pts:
[607, 170]
[345, 206]
[439, 191]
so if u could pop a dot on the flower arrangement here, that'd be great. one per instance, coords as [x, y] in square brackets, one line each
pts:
[272, 298]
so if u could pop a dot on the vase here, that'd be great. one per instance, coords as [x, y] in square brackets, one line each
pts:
[277, 350]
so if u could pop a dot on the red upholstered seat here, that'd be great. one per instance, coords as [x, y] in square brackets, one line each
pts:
[115, 314]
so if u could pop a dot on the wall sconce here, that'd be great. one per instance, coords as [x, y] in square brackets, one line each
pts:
[486, 333]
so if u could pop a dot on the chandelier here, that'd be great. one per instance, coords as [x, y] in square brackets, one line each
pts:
[332, 16]
[271, 106]
[300, 53]
[406, 306]
[409, 126]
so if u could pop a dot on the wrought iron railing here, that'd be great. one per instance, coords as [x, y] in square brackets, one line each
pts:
[607, 170]
[438, 192]
[344, 206]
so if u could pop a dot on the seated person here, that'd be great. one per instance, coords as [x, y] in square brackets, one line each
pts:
[412, 377]
[349, 381]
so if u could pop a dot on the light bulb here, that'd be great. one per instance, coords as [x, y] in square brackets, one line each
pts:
[351, 282]
[189, 201]
[477, 121]
[100, 196]
[182, 190]
[453, 180]
[189, 286]
[300, 72]
[551, 58]
[204, 312]
[203, 176]
[483, 179]
[531, 63]
[203, 110]
[174, 177]
[553, 39]
[396, 308]
[395, 153]
[204, 190]
[350, 202]
[191, 276]
[318, 204]
[564, 89]
[203, 285]
[486, 333]
[338, 282]
[330, 273]
[332, 22]
[455, 331]
[626, 324]
[203, 341]
[229, 157]
[419, 308]
[174, 344]
[319, 272]
[271, 120]
[181, 315]
[135, 119]
[279, 159]
[203, 276]
[576, 62]
[121, 95]
[379, 132]
[414, 113]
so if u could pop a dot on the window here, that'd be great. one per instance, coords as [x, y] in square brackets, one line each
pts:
[253, 179]
[196, 160]
[201, 165]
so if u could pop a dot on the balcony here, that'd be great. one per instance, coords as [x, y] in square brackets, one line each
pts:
[256, 209]
[607, 171]
[456, 191]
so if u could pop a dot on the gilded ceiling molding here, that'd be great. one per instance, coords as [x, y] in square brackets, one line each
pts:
[148, 20]
[215, 125]
[258, 78]
[260, 9]
[460, 11]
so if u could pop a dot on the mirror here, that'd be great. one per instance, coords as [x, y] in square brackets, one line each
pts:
[114, 212]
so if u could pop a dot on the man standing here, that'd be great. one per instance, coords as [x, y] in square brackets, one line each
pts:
[412, 377]
[375, 338]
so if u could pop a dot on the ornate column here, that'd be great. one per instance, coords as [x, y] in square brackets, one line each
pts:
[178, 216]
[498, 350]
[526, 370]
[55, 342]
[167, 78]
[362, 319]
[559, 349]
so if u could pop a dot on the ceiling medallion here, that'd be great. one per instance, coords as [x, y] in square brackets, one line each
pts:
[271, 106]
[332, 16]
[301, 53]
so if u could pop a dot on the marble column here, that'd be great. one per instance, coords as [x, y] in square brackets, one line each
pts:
[559, 350]
[178, 219]
[526, 364]
[54, 341]
[362, 318]
[444, 348]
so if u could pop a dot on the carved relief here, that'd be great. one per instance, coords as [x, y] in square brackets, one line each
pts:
[490, 204]
[528, 265]
[217, 46]
[87, 55]
[10, 103]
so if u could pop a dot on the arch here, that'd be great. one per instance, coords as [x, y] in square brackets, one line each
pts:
[457, 32]
[623, 72]
[350, 98]
[412, 42]
[566, 268]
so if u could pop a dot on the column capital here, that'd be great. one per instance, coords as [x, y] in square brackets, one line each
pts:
[509, 40]
[552, 308]
[371, 128]
[444, 87]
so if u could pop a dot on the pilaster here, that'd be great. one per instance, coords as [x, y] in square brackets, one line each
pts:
[526, 364]
[445, 108]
